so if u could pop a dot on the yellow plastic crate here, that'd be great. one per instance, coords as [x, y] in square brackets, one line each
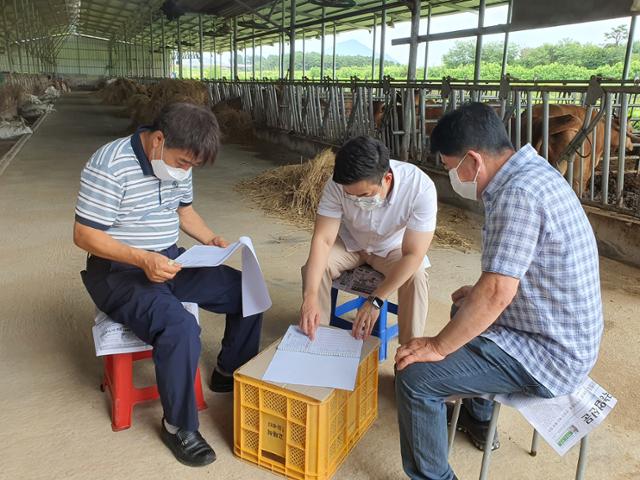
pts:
[302, 435]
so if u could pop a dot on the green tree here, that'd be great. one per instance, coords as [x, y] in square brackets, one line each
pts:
[617, 35]
[464, 53]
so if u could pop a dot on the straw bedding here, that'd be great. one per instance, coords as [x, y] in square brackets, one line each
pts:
[292, 191]
[235, 123]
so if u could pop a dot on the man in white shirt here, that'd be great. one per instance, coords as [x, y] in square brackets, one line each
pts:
[378, 212]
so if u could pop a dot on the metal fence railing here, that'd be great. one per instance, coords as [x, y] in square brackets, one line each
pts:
[585, 129]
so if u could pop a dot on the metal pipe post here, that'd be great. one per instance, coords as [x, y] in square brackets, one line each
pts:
[505, 48]
[383, 31]
[215, 71]
[545, 125]
[292, 42]
[322, 35]
[152, 63]
[628, 52]
[607, 147]
[582, 459]
[15, 11]
[201, 46]
[179, 40]
[253, 54]
[413, 45]
[282, 40]
[409, 99]
[260, 58]
[235, 48]
[334, 51]
[373, 49]
[164, 47]
[476, 67]
[425, 74]
[486, 457]
[624, 104]
[303, 54]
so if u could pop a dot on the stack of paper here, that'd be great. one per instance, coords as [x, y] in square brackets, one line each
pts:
[330, 360]
[564, 421]
[111, 338]
[255, 296]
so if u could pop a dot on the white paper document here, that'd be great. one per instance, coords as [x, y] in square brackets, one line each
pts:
[111, 338]
[328, 341]
[330, 360]
[255, 295]
[564, 421]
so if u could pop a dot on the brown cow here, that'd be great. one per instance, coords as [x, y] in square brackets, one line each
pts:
[564, 123]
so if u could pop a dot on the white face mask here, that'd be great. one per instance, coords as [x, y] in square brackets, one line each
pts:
[468, 190]
[167, 173]
[367, 203]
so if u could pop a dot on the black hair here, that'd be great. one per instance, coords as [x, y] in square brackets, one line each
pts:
[361, 158]
[189, 127]
[472, 126]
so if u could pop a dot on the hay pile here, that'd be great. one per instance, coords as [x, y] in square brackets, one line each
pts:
[292, 191]
[9, 99]
[236, 124]
[163, 93]
[120, 90]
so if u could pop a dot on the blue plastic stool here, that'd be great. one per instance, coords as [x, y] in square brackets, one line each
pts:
[381, 330]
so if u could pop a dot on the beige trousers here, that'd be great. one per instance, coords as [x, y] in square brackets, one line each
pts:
[413, 295]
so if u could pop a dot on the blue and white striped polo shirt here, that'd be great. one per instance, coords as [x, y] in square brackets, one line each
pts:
[120, 195]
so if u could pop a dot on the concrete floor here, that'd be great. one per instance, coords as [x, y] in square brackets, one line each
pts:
[54, 421]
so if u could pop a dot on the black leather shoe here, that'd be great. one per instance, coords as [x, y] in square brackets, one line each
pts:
[189, 448]
[221, 383]
[476, 430]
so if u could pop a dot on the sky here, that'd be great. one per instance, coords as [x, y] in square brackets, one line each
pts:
[591, 32]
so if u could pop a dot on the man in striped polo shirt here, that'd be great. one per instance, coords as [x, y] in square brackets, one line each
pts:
[135, 195]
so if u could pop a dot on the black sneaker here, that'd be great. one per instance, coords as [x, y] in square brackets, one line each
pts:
[189, 448]
[476, 430]
[220, 382]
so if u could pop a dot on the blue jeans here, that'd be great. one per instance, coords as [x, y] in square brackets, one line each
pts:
[480, 367]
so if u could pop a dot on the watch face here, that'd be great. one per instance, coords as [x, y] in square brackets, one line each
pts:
[375, 302]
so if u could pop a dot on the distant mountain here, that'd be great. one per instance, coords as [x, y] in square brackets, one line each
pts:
[354, 47]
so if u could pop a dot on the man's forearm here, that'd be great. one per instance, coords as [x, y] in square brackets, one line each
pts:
[399, 274]
[193, 225]
[99, 243]
[481, 308]
[316, 265]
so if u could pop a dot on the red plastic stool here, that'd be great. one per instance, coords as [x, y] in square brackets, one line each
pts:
[118, 378]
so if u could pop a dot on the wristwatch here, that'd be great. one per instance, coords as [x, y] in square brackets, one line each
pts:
[377, 302]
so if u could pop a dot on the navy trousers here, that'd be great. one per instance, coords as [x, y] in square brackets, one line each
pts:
[155, 314]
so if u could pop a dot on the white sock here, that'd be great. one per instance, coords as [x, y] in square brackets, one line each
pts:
[170, 428]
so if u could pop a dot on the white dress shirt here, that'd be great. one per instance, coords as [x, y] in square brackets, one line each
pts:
[412, 203]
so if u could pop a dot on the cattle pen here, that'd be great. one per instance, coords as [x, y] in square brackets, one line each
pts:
[289, 86]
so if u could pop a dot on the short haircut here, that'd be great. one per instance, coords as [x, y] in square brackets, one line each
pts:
[472, 126]
[361, 158]
[189, 127]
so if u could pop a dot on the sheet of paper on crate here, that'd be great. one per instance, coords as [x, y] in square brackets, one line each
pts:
[330, 360]
[564, 421]
[111, 338]
[359, 281]
[255, 295]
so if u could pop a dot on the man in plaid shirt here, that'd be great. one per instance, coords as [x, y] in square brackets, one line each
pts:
[531, 324]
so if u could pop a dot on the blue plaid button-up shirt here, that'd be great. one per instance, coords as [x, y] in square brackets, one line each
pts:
[535, 230]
